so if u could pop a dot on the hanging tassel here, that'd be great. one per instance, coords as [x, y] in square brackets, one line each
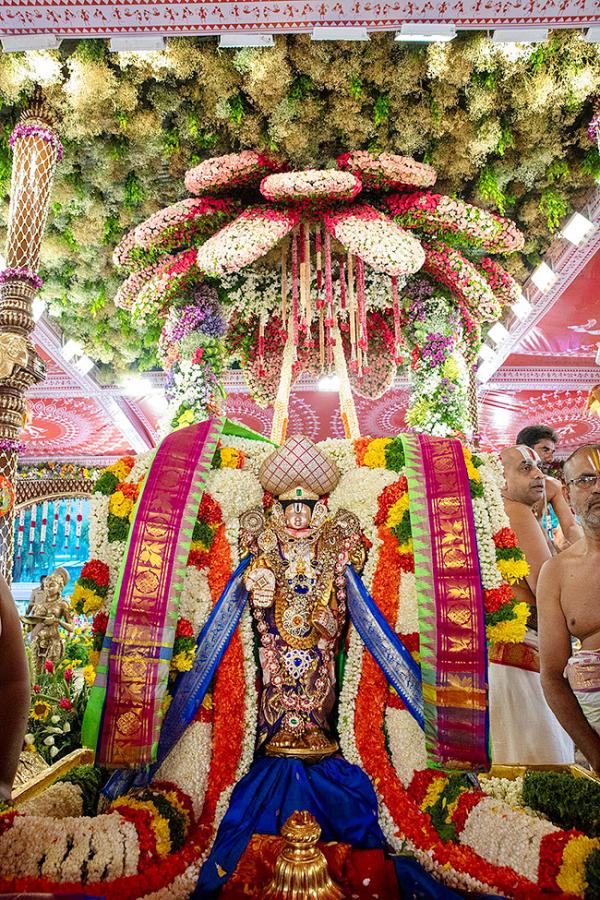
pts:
[319, 258]
[284, 285]
[342, 284]
[397, 331]
[67, 525]
[361, 309]
[78, 525]
[32, 525]
[20, 532]
[261, 347]
[351, 309]
[55, 522]
[328, 302]
[44, 524]
[295, 312]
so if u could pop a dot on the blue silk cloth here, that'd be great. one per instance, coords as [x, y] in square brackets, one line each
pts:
[341, 798]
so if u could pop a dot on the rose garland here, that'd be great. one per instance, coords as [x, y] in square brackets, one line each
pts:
[310, 185]
[386, 170]
[460, 276]
[384, 246]
[450, 218]
[230, 171]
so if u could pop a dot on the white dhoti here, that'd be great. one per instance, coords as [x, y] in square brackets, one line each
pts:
[524, 730]
[583, 675]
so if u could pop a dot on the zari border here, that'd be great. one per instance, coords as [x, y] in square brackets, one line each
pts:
[450, 600]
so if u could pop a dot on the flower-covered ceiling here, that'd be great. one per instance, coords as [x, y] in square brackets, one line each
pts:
[505, 127]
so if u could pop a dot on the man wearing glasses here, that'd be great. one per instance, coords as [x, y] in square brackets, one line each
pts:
[568, 597]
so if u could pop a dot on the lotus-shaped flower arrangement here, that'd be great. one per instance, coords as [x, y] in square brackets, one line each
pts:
[320, 228]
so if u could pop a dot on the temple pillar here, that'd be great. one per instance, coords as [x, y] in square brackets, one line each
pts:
[36, 150]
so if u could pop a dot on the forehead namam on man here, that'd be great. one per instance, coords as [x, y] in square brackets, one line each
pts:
[584, 460]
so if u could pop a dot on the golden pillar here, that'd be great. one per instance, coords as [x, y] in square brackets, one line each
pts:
[36, 150]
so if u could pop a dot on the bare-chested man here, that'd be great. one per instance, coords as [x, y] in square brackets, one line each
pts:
[523, 728]
[569, 606]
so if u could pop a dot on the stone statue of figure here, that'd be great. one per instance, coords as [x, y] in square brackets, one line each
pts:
[49, 611]
[297, 594]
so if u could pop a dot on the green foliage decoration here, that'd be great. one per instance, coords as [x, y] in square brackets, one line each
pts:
[568, 801]
[508, 132]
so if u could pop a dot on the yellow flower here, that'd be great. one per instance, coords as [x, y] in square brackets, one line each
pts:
[40, 710]
[90, 601]
[166, 702]
[230, 458]
[513, 570]
[396, 513]
[120, 470]
[183, 661]
[186, 418]
[120, 505]
[513, 630]
[433, 792]
[375, 455]
[94, 658]
[450, 369]
[472, 472]
[160, 826]
[89, 674]
[407, 547]
[571, 876]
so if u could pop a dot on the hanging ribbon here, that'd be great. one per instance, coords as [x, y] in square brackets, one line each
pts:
[351, 309]
[20, 532]
[328, 302]
[32, 524]
[44, 524]
[55, 521]
[295, 311]
[284, 285]
[397, 329]
[361, 313]
[342, 284]
[67, 524]
[78, 523]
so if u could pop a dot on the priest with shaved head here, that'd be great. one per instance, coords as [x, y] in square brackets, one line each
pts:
[569, 608]
[523, 728]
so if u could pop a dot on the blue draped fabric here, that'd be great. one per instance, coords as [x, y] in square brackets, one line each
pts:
[398, 666]
[191, 687]
[339, 795]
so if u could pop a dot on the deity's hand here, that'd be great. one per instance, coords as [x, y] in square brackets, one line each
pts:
[261, 584]
[324, 622]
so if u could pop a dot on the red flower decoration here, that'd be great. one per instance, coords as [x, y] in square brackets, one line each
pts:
[494, 598]
[36, 689]
[184, 629]
[96, 571]
[100, 623]
[49, 666]
[210, 511]
[65, 703]
[505, 538]
[68, 675]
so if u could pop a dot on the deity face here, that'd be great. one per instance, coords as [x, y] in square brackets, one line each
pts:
[297, 516]
[583, 474]
[524, 478]
[53, 586]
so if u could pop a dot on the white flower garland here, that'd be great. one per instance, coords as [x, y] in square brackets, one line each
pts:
[255, 451]
[188, 763]
[196, 602]
[235, 490]
[490, 574]
[499, 833]
[341, 451]
[407, 618]
[61, 800]
[406, 742]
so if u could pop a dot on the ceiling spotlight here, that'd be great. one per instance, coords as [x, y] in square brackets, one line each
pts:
[519, 35]
[38, 307]
[16, 43]
[328, 383]
[71, 349]
[498, 333]
[417, 33]
[136, 386]
[577, 229]
[522, 307]
[327, 33]
[543, 277]
[84, 365]
[486, 352]
[239, 39]
[137, 43]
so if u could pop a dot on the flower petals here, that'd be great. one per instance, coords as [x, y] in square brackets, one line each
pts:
[378, 241]
[245, 240]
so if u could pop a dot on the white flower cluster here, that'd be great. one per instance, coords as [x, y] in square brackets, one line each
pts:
[407, 619]
[341, 451]
[490, 574]
[188, 763]
[358, 491]
[510, 790]
[492, 478]
[82, 850]
[182, 887]
[383, 245]
[195, 603]
[61, 800]
[235, 490]
[406, 741]
[499, 833]
[255, 451]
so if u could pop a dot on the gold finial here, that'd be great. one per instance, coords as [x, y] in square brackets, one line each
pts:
[37, 111]
[301, 869]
